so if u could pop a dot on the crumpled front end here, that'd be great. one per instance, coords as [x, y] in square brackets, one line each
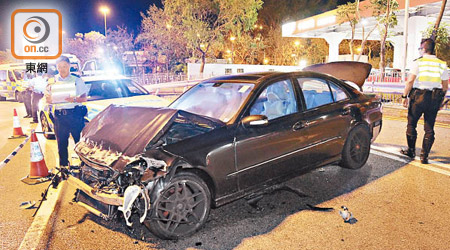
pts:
[114, 174]
[123, 160]
[105, 191]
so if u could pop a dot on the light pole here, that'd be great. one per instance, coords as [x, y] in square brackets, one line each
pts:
[232, 38]
[104, 10]
[168, 26]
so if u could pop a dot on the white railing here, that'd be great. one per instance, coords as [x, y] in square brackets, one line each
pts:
[148, 79]
[388, 77]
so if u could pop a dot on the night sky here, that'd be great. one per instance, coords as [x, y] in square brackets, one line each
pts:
[81, 15]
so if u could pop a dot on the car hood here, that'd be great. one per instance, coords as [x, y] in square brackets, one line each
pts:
[356, 72]
[122, 132]
[95, 107]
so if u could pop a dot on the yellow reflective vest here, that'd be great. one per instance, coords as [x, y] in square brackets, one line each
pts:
[430, 73]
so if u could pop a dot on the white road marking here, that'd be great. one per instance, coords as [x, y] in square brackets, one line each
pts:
[379, 151]
[40, 228]
[396, 151]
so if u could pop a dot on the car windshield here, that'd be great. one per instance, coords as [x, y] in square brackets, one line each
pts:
[107, 89]
[217, 100]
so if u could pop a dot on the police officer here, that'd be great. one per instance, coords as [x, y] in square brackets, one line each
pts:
[38, 86]
[68, 115]
[426, 87]
[26, 97]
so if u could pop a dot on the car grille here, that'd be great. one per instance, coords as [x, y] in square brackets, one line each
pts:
[94, 175]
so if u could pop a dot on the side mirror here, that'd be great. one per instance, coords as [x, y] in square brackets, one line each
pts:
[255, 121]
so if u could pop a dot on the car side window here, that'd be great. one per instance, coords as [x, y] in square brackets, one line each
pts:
[276, 100]
[2, 75]
[11, 77]
[338, 93]
[315, 91]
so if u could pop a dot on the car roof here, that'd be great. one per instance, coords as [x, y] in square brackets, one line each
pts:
[103, 78]
[13, 66]
[258, 77]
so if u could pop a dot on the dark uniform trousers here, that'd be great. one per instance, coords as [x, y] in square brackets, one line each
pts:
[67, 122]
[26, 97]
[35, 98]
[426, 102]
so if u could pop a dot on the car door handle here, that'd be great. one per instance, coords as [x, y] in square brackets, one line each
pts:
[300, 125]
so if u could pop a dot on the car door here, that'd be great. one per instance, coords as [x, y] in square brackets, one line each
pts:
[266, 152]
[326, 116]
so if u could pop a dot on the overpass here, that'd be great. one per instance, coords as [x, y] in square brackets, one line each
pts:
[421, 14]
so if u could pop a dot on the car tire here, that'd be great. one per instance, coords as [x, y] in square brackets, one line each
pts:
[181, 208]
[356, 148]
[46, 127]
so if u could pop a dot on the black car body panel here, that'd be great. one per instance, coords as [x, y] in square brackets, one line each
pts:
[232, 158]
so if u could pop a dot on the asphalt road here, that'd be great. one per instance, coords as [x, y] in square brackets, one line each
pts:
[398, 205]
[283, 220]
[15, 221]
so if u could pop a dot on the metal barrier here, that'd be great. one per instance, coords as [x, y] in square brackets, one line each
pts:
[172, 86]
[148, 79]
[388, 77]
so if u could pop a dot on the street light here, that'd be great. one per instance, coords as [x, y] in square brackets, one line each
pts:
[104, 10]
[358, 49]
[232, 38]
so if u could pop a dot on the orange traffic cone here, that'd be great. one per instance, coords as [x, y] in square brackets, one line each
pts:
[17, 130]
[38, 169]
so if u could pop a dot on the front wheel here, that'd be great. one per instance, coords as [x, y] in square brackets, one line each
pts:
[181, 207]
[356, 148]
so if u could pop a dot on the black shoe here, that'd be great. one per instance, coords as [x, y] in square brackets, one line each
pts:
[408, 152]
[33, 122]
[27, 116]
[424, 160]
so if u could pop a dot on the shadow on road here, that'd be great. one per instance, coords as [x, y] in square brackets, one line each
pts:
[228, 225]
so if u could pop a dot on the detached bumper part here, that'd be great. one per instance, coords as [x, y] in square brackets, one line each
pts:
[131, 194]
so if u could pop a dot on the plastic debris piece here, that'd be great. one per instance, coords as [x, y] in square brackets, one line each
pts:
[321, 209]
[347, 215]
[130, 195]
[27, 205]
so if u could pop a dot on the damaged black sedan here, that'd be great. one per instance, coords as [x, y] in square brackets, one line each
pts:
[225, 138]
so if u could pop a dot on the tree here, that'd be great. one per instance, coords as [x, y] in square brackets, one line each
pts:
[271, 17]
[161, 37]
[383, 10]
[205, 23]
[438, 20]
[86, 46]
[117, 43]
[441, 36]
[349, 13]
